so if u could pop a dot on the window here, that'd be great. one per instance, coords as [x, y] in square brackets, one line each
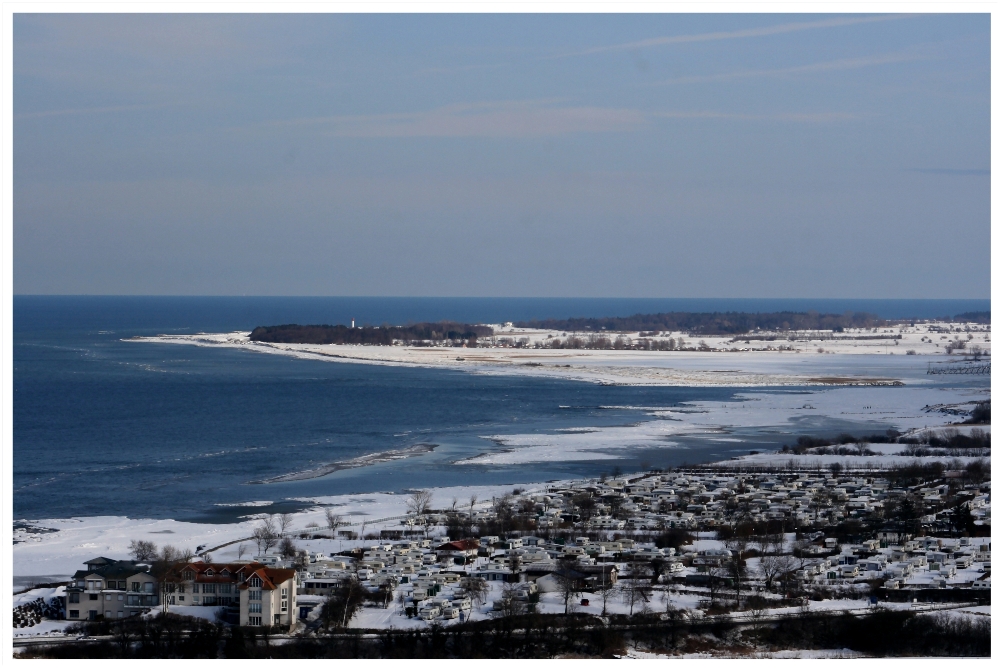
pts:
[208, 588]
[254, 607]
[254, 621]
[107, 597]
[120, 614]
[135, 586]
[180, 589]
[225, 589]
[92, 615]
[92, 597]
[284, 606]
[148, 587]
[122, 584]
[284, 592]
[121, 597]
[189, 575]
[210, 600]
[194, 588]
[74, 597]
[74, 614]
[255, 581]
[180, 598]
[197, 598]
[255, 594]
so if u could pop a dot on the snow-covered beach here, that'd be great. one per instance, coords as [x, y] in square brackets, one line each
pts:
[764, 359]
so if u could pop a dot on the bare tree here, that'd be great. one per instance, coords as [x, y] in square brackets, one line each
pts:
[333, 521]
[738, 544]
[264, 535]
[123, 635]
[477, 589]
[511, 604]
[284, 521]
[169, 554]
[607, 591]
[776, 567]
[758, 611]
[634, 588]
[716, 579]
[515, 566]
[419, 504]
[142, 550]
[566, 584]
[240, 551]
[472, 504]
[503, 507]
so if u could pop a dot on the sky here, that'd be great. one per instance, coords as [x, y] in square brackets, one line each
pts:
[660, 155]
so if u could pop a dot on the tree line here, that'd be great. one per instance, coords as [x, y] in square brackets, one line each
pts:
[371, 336]
[715, 323]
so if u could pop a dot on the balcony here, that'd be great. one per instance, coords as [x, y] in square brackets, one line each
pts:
[142, 601]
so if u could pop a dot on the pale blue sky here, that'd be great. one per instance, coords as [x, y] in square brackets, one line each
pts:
[503, 155]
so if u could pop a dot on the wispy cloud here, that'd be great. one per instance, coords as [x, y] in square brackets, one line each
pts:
[520, 119]
[765, 31]
[950, 172]
[533, 118]
[87, 110]
[792, 117]
[827, 66]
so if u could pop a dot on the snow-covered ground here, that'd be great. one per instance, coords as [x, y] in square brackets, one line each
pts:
[781, 654]
[57, 555]
[736, 364]
[901, 407]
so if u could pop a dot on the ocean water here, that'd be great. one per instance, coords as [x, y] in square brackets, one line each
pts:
[103, 426]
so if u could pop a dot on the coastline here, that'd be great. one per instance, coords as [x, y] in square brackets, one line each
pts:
[54, 546]
[606, 367]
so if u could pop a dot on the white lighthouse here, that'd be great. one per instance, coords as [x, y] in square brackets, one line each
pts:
[352, 323]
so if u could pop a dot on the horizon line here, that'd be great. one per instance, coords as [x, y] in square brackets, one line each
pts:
[291, 296]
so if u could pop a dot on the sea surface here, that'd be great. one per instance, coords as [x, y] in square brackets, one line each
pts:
[104, 426]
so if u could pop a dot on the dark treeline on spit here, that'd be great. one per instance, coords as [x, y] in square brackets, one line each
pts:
[719, 324]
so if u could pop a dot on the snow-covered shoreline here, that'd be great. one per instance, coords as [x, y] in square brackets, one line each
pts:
[797, 358]
[678, 369]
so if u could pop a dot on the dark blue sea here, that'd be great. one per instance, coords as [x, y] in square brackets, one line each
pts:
[104, 426]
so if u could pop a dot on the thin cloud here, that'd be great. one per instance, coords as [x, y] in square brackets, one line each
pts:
[816, 117]
[87, 110]
[735, 34]
[827, 66]
[495, 119]
[520, 119]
